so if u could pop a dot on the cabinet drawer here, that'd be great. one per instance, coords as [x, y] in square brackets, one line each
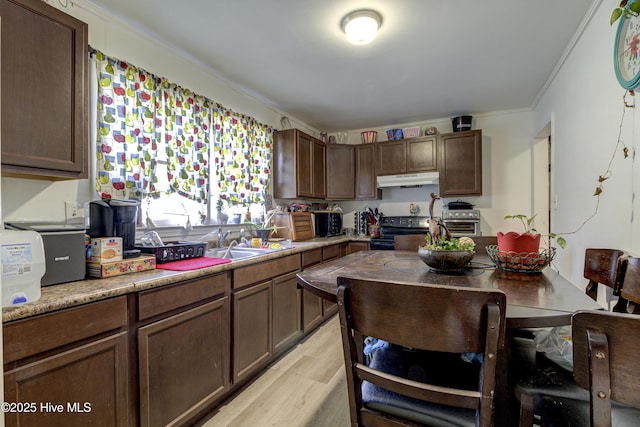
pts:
[311, 257]
[330, 252]
[162, 300]
[28, 337]
[244, 276]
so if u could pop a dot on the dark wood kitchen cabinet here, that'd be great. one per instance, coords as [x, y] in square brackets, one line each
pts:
[44, 91]
[65, 363]
[365, 180]
[407, 156]
[340, 160]
[460, 164]
[287, 312]
[391, 157]
[354, 247]
[330, 253]
[252, 329]
[311, 303]
[299, 168]
[264, 303]
[183, 349]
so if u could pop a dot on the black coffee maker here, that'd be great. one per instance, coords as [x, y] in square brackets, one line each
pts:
[115, 218]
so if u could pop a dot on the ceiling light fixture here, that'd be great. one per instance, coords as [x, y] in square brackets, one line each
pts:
[361, 26]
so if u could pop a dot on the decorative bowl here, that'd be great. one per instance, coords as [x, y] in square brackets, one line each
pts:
[445, 260]
[521, 262]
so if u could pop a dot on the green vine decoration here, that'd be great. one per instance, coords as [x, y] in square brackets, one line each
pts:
[622, 9]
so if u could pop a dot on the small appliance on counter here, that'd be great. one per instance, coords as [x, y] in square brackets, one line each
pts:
[64, 249]
[461, 219]
[327, 223]
[22, 266]
[115, 218]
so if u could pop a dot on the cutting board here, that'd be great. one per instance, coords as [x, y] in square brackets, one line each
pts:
[296, 226]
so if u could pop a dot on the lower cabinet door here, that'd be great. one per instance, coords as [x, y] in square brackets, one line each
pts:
[287, 324]
[252, 329]
[184, 363]
[84, 386]
[311, 310]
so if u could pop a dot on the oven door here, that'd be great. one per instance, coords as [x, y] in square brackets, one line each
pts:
[462, 227]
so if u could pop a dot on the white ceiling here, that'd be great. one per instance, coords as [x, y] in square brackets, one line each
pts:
[431, 59]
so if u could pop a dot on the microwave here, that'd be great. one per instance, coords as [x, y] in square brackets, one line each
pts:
[327, 223]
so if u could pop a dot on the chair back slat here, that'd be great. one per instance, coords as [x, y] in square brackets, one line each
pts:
[599, 379]
[409, 242]
[631, 283]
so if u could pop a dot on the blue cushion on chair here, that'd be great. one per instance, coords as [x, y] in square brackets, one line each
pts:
[435, 368]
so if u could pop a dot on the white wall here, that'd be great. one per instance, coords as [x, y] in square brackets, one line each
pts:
[585, 101]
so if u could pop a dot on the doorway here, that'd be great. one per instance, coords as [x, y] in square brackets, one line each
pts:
[541, 180]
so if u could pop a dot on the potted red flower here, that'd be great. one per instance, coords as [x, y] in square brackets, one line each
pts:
[527, 242]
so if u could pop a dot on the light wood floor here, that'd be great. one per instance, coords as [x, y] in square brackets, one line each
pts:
[306, 387]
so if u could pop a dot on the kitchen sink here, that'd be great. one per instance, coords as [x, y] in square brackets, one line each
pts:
[234, 253]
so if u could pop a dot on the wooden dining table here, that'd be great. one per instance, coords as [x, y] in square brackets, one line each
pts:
[534, 300]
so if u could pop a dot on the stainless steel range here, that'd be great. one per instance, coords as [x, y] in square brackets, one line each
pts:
[462, 222]
[391, 226]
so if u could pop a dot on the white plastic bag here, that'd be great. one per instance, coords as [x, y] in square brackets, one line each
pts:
[556, 344]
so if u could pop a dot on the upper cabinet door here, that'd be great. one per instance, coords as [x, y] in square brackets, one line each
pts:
[392, 157]
[460, 164]
[298, 166]
[365, 185]
[318, 170]
[340, 171]
[44, 91]
[422, 154]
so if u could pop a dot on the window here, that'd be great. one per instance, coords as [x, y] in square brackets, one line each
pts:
[177, 152]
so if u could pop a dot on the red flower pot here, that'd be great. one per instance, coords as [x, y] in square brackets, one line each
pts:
[518, 242]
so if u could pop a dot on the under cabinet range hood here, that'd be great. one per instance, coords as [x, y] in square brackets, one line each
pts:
[408, 180]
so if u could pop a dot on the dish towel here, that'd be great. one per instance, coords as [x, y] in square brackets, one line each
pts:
[192, 263]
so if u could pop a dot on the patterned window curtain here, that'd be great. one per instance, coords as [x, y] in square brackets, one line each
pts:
[126, 140]
[243, 150]
[187, 123]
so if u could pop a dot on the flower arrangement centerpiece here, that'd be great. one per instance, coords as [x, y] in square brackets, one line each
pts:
[441, 251]
[448, 253]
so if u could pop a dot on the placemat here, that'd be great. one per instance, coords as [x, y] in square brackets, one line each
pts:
[192, 263]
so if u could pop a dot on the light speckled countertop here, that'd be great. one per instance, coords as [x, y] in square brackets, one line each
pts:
[65, 295]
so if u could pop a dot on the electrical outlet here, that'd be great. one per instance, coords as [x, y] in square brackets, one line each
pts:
[73, 210]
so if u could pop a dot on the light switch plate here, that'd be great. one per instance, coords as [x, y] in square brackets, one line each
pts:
[73, 210]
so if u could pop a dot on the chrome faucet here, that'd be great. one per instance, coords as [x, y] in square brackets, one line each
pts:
[222, 237]
[226, 254]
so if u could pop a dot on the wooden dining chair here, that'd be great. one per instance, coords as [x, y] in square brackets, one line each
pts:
[409, 242]
[605, 362]
[604, 266]
[421, 377]
[482, 242]
[630, 290]
[535, 375]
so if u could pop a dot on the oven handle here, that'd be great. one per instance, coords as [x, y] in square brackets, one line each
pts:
[473, 221]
